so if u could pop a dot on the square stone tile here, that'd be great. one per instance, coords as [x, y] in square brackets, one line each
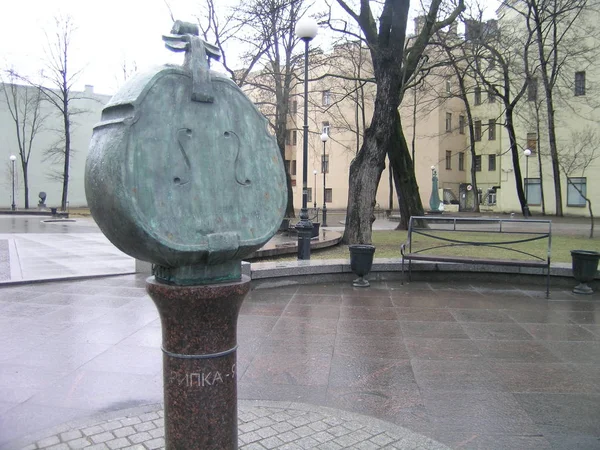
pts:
[563, 413]
[369, 327]
[370, 373]
[516, 351]
[466, 375]
[278, 346]
[496, 331]
[367, 313]
[446, 330]
[442, 349]
[424, 315]
[370, 346]
[478, 412]
[304, 299]
[289, 369]
[312, 311]
[303, 328]
[580, 352]
[95, 391]
[480, 315]
[354, 300]
[542, 377]
[557, 332]
[539, 316]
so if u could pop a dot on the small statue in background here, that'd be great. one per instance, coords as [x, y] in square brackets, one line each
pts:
[42, 202]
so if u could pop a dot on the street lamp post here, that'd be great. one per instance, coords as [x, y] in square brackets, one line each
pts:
[324, 138]
[13, 158]
[306, 29]
[315, 190]
[527, 154]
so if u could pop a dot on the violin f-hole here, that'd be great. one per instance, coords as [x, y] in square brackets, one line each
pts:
[184, 136]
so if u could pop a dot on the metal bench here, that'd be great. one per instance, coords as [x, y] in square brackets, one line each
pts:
[507, 242]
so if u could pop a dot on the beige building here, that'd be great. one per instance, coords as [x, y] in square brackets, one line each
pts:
[577, 131]
[433, 115]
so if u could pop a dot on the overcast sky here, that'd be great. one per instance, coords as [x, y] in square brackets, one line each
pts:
[108, 33]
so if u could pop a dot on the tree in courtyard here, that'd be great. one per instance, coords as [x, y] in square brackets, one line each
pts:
[265, 28]
[500, 60]
[58, 79]
[454, 55]
[578, 154]
[560, 32]
[24, 106]
[394, 64]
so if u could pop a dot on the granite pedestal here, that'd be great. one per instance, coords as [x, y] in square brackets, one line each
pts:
[199, 361]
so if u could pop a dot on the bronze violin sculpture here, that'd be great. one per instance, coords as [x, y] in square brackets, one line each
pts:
[182, 171]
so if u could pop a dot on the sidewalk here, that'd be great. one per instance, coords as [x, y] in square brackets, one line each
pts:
[475, 365]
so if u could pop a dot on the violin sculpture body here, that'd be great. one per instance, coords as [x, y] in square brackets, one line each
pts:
[183, 173]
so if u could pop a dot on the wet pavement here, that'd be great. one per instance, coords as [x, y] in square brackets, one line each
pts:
[475, 365]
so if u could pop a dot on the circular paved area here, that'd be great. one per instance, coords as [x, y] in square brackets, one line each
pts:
[262, 425]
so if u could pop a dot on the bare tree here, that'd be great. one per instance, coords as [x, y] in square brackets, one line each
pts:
[394, 64]
[265, 30]
[456, 57]
[24, 105]
[559, 31]
[500, 60]
[57, 86]
[580, 152]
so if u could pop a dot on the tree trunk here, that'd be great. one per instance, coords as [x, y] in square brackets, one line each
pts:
[365, 173]
[65, 190]
[409, 199]
[391, 187]
[553, 152]
[367, 166]
[512, 138]
[591, 218]
[473, 151]
[289, 209]
[539, 155]
[26, 185]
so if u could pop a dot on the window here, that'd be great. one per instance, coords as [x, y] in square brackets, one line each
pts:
[326, 98]
[448, 160]
[448, 86]
[532, 89]
[291, 137]
[492, 163]
[324, 163]
[294, 107]
[532, 142]
[579, 83]
[492, 130]
[576, 191]
[309, 195]
[461, 124]
[477, 162]
[491, 96]
[461, 161]
[293, 167]
[448, 122]
[491, 197]
[478, 95]
[533, 191]
[328, 195]
[326, 128]
[477, 130]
